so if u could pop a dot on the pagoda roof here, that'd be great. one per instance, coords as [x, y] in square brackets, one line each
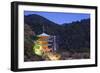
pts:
[43, 34]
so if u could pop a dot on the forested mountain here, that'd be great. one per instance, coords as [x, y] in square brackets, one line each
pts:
[73, 36]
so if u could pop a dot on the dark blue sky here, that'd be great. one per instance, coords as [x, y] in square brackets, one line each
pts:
[59, 17]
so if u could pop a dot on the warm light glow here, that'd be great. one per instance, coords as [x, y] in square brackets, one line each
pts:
[41, 48]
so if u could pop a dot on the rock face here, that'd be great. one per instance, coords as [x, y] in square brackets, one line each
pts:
[72, 37]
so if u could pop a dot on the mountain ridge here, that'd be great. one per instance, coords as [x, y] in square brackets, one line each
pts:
[74, 35]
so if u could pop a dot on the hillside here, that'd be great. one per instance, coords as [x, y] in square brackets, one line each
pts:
[72, 37]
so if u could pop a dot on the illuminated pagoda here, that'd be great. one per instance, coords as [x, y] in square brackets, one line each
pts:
[45, 46]
[48, 42]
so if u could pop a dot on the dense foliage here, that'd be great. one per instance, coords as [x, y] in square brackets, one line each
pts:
[73, 37]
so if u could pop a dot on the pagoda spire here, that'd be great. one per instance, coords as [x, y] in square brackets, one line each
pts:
[43, 28]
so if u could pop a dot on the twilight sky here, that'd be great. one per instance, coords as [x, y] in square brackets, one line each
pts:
[59, 17]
